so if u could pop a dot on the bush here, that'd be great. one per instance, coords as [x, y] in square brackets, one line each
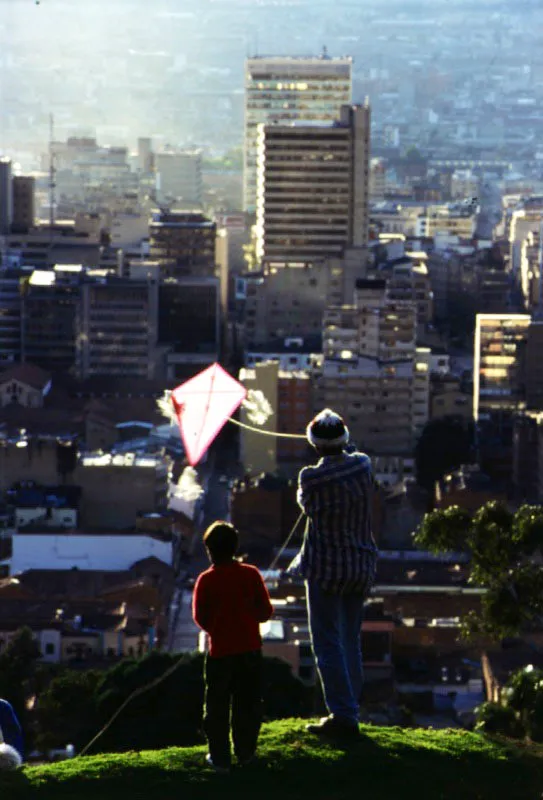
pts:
[495, 718]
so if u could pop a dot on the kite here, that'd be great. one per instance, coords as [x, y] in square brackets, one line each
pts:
[203, 405]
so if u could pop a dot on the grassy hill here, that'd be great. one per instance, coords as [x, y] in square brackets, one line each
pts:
[388, 763]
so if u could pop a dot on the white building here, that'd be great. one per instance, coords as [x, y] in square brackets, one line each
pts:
[179, 178]
[283, 89]
[85, 551]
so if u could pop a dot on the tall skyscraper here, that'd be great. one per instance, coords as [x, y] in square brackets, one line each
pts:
[284, 89]
[313, 186]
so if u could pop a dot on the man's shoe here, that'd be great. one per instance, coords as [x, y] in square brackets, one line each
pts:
[218, 769]
[333, 728]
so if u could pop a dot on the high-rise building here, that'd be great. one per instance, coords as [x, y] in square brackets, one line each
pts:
[499, 366]
[189, 324]
[24, 211]
[117, 328]
[373, 373]
[10, 314]
[6, 197]
[179, 178]
[313, 184]
[283, 89]
[183, 243]
[49, 306]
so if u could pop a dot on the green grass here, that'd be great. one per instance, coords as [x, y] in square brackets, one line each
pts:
[388, 763]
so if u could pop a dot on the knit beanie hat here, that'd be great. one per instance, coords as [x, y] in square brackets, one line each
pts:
[327, 430]
[9, 757]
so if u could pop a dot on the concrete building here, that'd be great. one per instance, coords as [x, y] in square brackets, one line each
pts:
[49, 308]
[116, 489]
[377, 189]
[258, 453]
[183, 243]
[498, 372]
[451, 219]
[189, 324]
[179, 178]
[373, 373]
[294, 353]
[117, 328]
[282, 89]
[288, 299]
[129, 229]
[24, 208]
[6, 197]
[313, 186]
[10, 302]
[294, 410]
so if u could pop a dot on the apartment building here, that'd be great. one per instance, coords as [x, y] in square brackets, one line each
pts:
[288, 299]
[117, 328]
[183, 243]
[49, 307]
[313, 186]
[373, 373]
[283, 89]
[454, 219]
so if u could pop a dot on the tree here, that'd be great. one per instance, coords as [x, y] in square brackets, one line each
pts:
[17, 669]
[520, 712]
[66, 711]
[444, 445]
[76, 705]
[504, 548]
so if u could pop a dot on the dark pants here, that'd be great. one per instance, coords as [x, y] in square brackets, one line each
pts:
[233, 682]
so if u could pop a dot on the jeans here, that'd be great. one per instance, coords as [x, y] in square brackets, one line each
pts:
[233, 687]
[335, 623]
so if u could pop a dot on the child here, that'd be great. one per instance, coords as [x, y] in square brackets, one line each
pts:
[230, 600]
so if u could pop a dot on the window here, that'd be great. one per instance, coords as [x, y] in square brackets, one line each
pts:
[49, 649]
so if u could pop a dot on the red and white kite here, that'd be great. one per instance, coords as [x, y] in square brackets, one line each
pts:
[203, 405]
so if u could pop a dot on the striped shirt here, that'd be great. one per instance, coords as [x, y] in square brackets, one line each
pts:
[338, 551]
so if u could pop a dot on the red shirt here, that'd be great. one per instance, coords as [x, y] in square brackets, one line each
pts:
[229, 602]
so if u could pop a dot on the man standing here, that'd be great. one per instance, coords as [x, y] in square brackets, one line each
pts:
[337, 559]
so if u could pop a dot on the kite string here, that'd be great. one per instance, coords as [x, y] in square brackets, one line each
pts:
[267, 433]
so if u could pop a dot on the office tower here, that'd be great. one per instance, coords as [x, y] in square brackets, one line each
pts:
[183, 244]
[312, 198]
[117, 328]
[50, 300]
[284, 89]
[189, 324]
[24, 211]
[499, 366]
[6, 197]
[179, 178]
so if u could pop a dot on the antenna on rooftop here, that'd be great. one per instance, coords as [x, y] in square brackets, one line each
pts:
[52, 183]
